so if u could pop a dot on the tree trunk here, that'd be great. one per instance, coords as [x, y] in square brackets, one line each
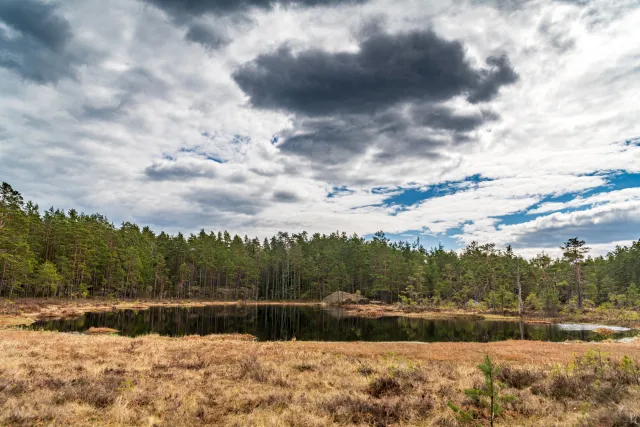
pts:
[578, 285]
[519, 293]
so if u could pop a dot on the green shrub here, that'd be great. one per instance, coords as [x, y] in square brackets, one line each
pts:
[532, 303]
[594, 377]
[605, 306]
[487, 396]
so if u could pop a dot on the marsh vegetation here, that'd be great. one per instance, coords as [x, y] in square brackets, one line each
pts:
[53, 378]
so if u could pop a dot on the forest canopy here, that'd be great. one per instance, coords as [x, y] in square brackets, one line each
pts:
[74, 255]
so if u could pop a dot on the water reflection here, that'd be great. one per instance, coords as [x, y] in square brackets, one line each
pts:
[272, 323]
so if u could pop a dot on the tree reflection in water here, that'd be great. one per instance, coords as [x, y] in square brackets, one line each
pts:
[271, 323]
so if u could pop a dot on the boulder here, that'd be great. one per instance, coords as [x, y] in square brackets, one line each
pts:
[339, 298]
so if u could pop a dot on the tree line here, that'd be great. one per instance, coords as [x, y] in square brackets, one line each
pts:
[74, 255]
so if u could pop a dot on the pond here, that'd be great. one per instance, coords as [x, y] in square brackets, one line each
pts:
[305, 323]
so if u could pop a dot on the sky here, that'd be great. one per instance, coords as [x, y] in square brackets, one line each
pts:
[515, 122]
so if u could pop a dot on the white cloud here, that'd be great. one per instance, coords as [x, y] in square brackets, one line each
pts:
[617, 196]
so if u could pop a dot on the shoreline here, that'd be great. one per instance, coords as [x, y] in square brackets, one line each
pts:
[22, 312]
[625, 318]
[26, 311]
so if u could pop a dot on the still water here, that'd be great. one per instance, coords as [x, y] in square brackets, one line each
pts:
[275, 323]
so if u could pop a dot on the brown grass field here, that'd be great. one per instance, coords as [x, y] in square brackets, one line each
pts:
[49, 378]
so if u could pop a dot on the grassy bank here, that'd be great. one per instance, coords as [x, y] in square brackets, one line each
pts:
[616, 317]
[68, 379]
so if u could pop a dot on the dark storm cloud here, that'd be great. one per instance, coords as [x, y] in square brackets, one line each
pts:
[285, 196]
[575, 2]
[330, 140]
[227, 7]
[439, 117]
[333, 140]
[206, 36]
[226, 200]
[513, 5]
[389, 96]
[40, 50]
[177, 172]
[493, 79]
[388, 69]
[187, 12]
[38, 21]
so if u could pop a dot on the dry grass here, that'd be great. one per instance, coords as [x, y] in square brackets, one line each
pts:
[616, 317]
[51, 378]
[383, 310]
[101, 331]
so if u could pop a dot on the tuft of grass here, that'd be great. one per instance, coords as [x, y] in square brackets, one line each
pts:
[617, 417]
[13, 388]
[98, 393]
[304, 367]
[251, 368]
[365, 370]
[359, 410]
[383, 386]
[519, 378]
[594, 377]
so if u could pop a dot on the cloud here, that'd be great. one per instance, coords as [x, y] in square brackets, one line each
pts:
[285, 196]
[557, 36]
[600, 224]
[439, 117]
[226, 201]
[212, 37]
[170, 170]
[227, 7]
[128, 88]
[388, 135]
[514, 5]
[387, 70]
[387, 98]
[38, 50]
[493, 79]
[206, 36]
[38, 21]
[624, 195]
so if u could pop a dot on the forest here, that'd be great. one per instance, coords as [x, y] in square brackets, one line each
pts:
[75, 255]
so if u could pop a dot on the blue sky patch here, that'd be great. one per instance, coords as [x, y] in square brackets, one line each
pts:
[412, 196]
[339, 191]
[428, 241]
